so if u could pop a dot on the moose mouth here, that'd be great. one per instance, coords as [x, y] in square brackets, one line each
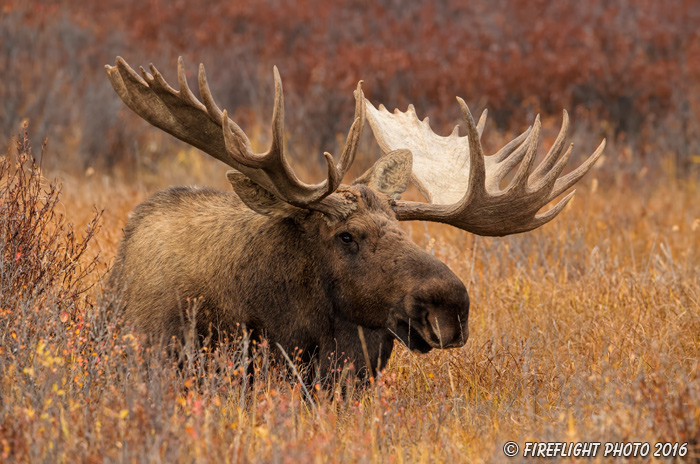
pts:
[411, 338]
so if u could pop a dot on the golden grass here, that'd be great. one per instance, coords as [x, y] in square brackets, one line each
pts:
[587, 329]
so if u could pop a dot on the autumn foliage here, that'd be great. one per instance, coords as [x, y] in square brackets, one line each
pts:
[587, 329]
[626, 70]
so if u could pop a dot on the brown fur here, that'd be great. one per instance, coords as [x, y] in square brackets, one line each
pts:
[287, 276]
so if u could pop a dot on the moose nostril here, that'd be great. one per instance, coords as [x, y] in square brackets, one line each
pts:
[448, 322]
[440, 307]
[445, 328]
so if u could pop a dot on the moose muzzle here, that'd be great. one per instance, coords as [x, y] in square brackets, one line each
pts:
[436, 314]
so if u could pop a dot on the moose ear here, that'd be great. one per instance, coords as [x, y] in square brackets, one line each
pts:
[391, 174]
[257, 198]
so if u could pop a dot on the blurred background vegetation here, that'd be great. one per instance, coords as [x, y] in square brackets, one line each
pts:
[625, 70]
[587, 329]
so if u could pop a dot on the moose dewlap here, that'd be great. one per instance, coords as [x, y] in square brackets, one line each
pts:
[324, 268]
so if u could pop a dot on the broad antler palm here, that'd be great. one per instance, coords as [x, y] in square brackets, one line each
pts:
[463, 186]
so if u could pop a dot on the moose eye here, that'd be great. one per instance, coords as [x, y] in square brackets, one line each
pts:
[345, 237]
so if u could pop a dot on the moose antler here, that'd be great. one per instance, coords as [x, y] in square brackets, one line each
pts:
[206, 127]
[463, 185]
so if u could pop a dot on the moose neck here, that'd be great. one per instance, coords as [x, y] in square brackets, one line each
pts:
[283, 279]
[305, 295]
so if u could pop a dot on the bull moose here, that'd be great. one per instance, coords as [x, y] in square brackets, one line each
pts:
[324, 268]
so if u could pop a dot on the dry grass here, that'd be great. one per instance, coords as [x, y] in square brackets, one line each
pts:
[585, 330]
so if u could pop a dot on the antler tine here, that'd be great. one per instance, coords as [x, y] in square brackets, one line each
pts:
[563, 183]
[211, 106]
[347, 157]
[519, 182]
[542, 219]
[337, 172]
[554, 151]
[276, 151]
[218, 117]
[236, 143]
[243, 152]
[353, 139]
[185, 91]
[510, 148]
[477, 172]
[482, 122]
[511, 155]
[334, 176]
[546, 182]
